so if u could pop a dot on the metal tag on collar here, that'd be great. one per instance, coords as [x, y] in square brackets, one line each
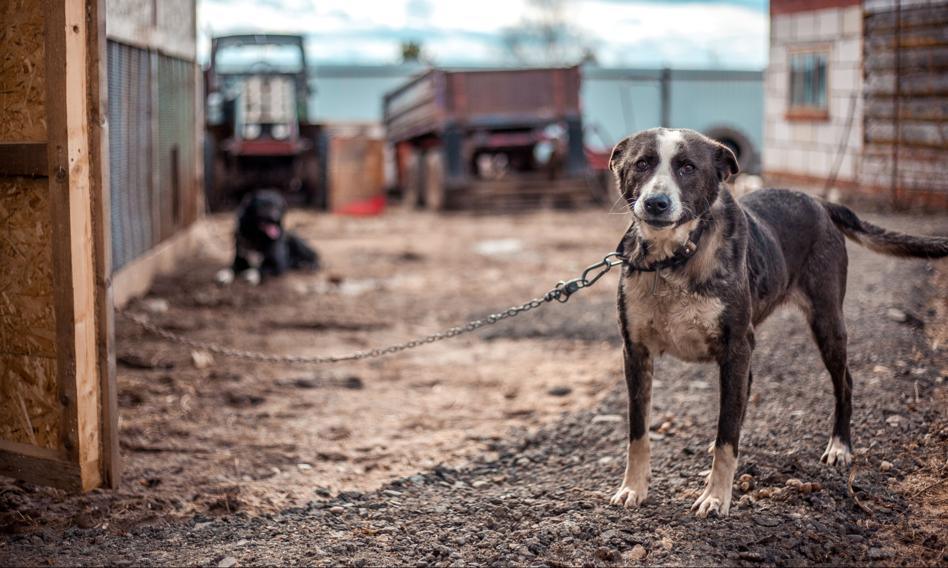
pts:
[689, 248]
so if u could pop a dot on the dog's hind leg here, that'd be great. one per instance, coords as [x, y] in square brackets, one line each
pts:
[829, 331]
[822, 295]
[301, 255]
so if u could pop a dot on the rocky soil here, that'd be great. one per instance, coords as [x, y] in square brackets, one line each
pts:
[503, 447]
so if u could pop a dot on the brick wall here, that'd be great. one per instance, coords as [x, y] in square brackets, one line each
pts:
[809, 148]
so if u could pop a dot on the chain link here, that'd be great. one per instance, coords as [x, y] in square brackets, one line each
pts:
[560, 293]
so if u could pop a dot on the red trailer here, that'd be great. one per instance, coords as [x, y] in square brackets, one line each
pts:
[488, 138]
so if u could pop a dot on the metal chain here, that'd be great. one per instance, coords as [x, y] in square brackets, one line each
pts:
[560, 293]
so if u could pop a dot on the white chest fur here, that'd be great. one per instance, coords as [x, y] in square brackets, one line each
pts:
[666, 317]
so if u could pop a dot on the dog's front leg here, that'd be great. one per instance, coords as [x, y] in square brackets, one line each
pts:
[638, 379]
[735, 384]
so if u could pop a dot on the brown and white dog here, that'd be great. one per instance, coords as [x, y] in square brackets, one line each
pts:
[704, 269]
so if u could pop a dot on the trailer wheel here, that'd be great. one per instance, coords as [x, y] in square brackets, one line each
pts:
[413, 193]
[434, 191]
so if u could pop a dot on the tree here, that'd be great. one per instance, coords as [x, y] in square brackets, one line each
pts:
[545, 36]
[411, 51]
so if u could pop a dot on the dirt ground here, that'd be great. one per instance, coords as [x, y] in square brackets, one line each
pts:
[502, 446]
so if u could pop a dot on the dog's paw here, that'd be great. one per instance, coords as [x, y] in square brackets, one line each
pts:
[712, 502]
[716, 498]
[224, 277]
[628, 497]
[837, 453]
[251, 276]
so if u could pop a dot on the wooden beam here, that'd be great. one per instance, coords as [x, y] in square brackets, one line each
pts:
[23, 159]
[102, 241]
[71, 207]
[39, 465]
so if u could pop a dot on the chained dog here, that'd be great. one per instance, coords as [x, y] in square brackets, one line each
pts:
[703, 270]
[262, 246]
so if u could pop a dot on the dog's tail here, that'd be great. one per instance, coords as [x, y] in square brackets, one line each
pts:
[882, 240]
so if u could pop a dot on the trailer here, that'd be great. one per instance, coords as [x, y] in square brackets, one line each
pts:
[488, 138]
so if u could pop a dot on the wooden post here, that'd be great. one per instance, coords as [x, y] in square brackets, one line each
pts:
[102, 240]
[71, 206]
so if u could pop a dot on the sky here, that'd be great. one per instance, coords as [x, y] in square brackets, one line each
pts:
[635, 33]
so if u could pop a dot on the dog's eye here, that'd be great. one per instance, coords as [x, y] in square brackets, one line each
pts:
[686, 169]
[641, 165]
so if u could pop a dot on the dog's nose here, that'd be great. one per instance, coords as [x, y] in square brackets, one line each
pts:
[657, 205]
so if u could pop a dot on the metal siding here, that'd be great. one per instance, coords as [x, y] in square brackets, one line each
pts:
[153, 186]
[130, 152]
[176, 152]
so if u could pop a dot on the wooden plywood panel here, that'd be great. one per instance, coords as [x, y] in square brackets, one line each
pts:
[22, 71]
[29, 404]
[356, 170]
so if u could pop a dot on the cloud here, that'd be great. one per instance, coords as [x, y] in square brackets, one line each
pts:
[680, 33]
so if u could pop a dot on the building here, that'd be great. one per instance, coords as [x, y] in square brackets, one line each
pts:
[855, 99]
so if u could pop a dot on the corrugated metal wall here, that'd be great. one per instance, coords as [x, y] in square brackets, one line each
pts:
[151, 143]
[176, 151]
[905, 60]
[130, 152]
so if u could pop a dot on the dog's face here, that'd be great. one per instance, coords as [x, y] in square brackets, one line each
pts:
[670, 177]
[262, 213]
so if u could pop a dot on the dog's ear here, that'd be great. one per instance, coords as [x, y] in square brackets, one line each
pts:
[617, 153]
[725, 161]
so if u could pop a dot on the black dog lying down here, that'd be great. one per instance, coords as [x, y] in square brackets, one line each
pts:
[263, 246]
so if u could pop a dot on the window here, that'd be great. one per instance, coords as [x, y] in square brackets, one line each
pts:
[808, 85]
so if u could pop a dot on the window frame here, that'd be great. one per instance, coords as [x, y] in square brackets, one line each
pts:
[809, 112]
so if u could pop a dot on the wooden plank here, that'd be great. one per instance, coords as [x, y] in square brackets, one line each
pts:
[59, 219]
[920, 17]
[73, 271]
[102, 241]
[934, 58]
[910, 84]
[933, 108]
[39, 465]
[23, 159]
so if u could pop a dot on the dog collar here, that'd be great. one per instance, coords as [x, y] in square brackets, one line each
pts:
[681, 256]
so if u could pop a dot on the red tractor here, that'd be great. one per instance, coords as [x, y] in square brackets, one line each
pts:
[258, 129]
